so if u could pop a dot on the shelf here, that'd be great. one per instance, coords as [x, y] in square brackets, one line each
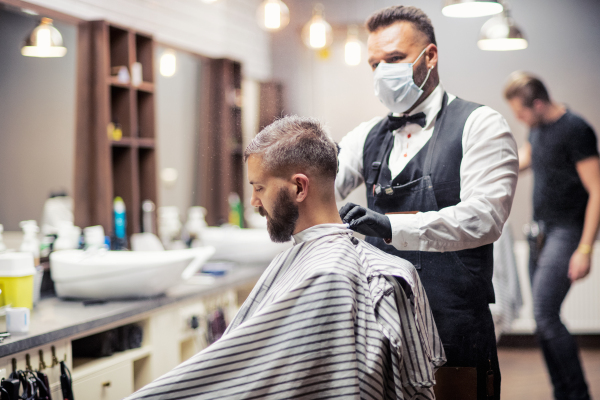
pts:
[88, 366]
[120, 109]
[146, 87]
[114, 81]
[143, 51]
[119, 46]
[145, 143]
[145, 114]
[124, 142]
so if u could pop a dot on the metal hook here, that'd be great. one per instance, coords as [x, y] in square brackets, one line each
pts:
[28, 363]
[42, 363]
[54, 359]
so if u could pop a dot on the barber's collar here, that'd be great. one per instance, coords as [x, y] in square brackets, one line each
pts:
[318, 231]
[430, 106]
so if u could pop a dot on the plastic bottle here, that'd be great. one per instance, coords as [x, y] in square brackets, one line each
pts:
[31, 243]
[236, 210]
[120, 224]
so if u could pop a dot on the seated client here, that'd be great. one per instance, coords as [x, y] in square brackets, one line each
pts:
[332, 316]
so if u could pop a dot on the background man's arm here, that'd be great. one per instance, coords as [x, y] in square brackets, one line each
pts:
[589, 173]
[525, 157]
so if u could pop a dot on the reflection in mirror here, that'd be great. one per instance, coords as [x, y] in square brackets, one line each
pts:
[37, 120]
[177, 122]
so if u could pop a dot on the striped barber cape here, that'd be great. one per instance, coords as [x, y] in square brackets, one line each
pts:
[327, 319]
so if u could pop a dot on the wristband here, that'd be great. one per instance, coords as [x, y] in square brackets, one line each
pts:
[584, 249]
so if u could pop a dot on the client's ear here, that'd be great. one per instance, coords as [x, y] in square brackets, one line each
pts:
[301, 183]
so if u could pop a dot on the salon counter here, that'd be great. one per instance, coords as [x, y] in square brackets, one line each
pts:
[168, 337]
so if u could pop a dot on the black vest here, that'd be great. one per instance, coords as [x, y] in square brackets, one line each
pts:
[438, 174]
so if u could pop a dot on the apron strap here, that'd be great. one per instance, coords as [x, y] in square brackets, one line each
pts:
[375, 167]
[436, 129]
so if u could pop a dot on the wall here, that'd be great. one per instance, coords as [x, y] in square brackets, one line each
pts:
[227, 28]
[562, 39]
[37, 121]
[177, 106]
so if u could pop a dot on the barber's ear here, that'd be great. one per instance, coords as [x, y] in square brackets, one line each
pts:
[300, 182]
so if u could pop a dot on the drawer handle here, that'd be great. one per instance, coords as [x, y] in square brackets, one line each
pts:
[106, 384]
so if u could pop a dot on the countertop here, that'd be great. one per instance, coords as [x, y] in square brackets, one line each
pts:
[55, 319]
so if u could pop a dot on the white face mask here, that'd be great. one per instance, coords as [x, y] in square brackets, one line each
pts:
[395, 86]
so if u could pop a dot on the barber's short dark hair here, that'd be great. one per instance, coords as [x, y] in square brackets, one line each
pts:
[526, 87]
[388, 16]
[295, 144]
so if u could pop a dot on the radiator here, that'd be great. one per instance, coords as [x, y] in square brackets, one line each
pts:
[581, 309]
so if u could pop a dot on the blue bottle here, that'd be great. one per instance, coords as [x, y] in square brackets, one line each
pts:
[120, 224]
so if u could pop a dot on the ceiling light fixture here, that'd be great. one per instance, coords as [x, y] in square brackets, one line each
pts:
[317, 33]
[273, 15]
[168, 63]
[501, 34]
[353, 47]
[44, 41]
[471, 8]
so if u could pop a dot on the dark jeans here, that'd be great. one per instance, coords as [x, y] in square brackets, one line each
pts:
[550, 283]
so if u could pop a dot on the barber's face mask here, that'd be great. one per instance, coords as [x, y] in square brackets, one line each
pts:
[395, 86]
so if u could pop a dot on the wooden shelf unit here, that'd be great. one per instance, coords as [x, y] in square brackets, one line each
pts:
[221, 147]
[106, 168]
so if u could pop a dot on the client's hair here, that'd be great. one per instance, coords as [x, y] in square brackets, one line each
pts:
[295, 144]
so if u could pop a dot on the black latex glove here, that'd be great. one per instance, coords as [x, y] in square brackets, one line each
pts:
[365, 221]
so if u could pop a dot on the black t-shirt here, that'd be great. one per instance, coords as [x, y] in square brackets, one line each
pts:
[558, 194]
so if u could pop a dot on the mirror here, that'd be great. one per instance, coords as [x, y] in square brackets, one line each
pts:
[177, 127]
[37, 120]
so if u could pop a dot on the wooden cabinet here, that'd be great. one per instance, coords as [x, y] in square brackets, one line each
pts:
[113, 383]
[221, 145]
[109, 163]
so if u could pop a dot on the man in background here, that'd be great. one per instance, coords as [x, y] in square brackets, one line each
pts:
[562, 152]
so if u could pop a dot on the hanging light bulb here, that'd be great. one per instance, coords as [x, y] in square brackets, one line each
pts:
[471, 8]
[501, 34]
[352, 49]
[317, 33]
[44, 41]
[168, 63]
[273, 15]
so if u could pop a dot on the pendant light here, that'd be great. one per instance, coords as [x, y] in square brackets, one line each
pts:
[44, 41]
[168, 63]
[273, 15]
[471, 8]
[352, 49]
[317, 33]
[501, 34]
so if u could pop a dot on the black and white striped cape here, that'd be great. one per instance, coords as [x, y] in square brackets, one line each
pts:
[326, 320]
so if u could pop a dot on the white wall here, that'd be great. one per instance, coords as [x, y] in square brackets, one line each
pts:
[563, 50]
[227, 28]
[37, 121]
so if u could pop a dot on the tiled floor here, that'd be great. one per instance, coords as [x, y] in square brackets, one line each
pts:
[524, 375]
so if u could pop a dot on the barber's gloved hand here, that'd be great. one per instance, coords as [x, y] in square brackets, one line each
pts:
[365, 221]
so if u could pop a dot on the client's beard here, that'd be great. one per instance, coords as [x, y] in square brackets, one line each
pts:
[282, 221]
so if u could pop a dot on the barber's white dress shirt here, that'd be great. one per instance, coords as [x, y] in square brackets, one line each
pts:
[488, 179]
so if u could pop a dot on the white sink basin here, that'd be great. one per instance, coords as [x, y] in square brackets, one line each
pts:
[242, 245]
[123, 274]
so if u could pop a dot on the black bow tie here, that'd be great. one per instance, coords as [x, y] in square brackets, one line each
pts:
[394, 123]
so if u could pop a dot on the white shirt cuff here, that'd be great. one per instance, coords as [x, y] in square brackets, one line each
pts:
[406, 232]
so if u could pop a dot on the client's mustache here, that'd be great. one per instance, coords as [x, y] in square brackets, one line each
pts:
[262, 211]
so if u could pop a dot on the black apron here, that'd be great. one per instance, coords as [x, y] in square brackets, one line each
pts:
[458, 284]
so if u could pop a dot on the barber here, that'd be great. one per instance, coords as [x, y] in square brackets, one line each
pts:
[440, 174]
